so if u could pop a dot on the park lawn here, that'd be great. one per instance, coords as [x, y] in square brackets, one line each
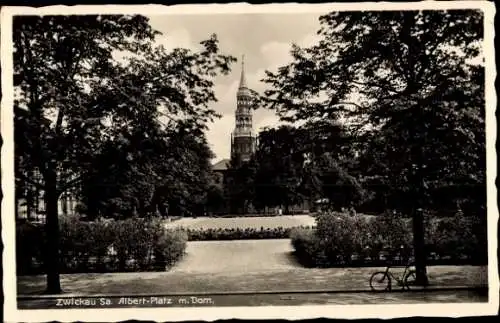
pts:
[248, 222]
[271, 222]
[298, 279]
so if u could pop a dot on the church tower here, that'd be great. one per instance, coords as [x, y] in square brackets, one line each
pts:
[243, 138]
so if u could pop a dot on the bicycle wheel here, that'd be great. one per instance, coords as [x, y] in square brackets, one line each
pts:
[380, 281]
[410, 279]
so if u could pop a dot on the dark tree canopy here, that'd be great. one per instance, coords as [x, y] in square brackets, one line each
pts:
[84, 106]
[412, 92]
[410, 86]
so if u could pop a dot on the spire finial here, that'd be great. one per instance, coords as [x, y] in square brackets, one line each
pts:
[243, 82]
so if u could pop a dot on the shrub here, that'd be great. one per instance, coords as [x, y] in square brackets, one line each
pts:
[138, 244]
[75, 245]
[125, 234]
[169, 248]
[334, 232]
[136, 240]
[146, 244]
[459, 237]
[344, 237]
[308, 248]
[29, 248]
[102, 235]
[361, 235]
[341, 239]
[347, 239]
[390, 231]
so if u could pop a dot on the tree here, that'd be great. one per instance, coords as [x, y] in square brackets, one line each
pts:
[239, 185]
[305, 162]
[331, 181]
[215, 199]
[279, 159]
[405, 80]
[187, 173]
[66, 74]
[168, 176]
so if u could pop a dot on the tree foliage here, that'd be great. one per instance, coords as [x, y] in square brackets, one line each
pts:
[280, 159]
[297, 163]
[408, 84]
[239, 185]
[83, 104]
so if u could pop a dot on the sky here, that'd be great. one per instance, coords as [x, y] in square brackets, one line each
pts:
[264, 39]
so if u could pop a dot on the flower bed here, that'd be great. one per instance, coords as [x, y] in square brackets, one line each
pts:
[238, 234]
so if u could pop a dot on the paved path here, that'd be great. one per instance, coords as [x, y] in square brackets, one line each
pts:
[284, 281]
[241, 266]
[238, 256]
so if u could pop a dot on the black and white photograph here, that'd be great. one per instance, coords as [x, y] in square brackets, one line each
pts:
[249, 161]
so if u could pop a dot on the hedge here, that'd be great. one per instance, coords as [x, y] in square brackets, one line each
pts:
[102, 246]
[341, 240]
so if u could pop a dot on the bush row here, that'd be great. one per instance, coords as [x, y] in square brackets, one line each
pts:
[340, 240]
[237, 234]
[103, 246]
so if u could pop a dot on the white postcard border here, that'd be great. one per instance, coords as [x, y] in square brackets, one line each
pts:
[275, 312]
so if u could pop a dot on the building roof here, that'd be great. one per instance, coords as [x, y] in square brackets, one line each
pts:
[221, 165]
[243, 89]
[243, 80]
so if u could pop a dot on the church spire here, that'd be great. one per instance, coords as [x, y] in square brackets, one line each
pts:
[243, 81]
[243, 139]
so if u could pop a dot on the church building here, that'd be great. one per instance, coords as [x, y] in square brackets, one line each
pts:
[244, 146]
[243, 138]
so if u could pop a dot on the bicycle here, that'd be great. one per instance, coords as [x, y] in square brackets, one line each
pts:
[382, 280]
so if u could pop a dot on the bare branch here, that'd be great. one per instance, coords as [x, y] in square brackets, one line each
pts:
[23, 177]
[69, 184]
[385, 88]
[349, 103]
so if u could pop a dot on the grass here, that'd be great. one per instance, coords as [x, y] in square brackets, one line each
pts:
[271, 222]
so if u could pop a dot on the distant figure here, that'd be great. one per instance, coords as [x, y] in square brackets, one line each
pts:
[280, 212]
[404, 254]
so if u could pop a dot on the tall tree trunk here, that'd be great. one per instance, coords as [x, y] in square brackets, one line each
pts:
[52, 231]
[419, 247]
[418, 223]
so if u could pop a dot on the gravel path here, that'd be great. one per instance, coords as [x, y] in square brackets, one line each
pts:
[237, 256]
